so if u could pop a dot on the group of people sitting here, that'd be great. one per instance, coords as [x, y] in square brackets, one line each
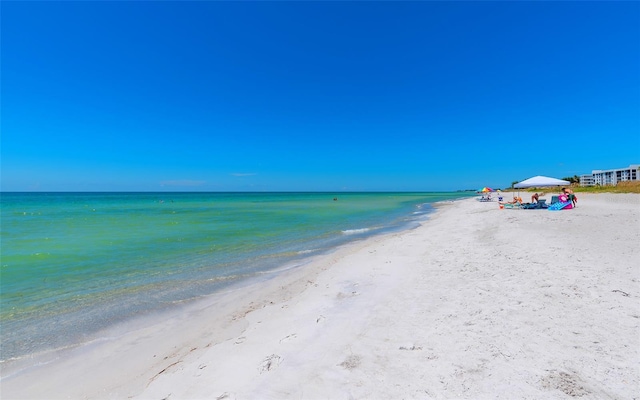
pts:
[565, 195]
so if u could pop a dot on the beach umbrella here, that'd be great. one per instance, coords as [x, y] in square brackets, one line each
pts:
[540, 181]
[486, 189]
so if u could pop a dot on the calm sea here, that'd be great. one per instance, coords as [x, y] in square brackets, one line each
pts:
[74, 263]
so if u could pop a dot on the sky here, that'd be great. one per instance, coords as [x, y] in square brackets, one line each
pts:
[315, 96]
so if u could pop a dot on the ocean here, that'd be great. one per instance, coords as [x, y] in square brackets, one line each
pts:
[75, 263]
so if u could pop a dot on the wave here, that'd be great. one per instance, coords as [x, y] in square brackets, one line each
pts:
[356, 231]
[307, 251]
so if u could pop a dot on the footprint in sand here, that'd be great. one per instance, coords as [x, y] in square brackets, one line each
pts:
[569, 384]
[343, 295]
[351, 362]
[270, 363]
[288, 337]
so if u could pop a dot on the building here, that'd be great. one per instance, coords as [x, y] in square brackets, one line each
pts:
[587, 180]
[611, 177]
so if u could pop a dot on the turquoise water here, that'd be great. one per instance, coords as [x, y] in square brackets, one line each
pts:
[74, 263]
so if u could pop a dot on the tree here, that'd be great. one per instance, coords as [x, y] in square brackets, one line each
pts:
[572, 179]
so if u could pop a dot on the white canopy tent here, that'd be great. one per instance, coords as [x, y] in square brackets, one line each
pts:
[541, 181]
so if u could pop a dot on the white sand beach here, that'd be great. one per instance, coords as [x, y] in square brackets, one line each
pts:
[476, 303]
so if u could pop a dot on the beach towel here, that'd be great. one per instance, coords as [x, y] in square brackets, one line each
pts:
[561, 205]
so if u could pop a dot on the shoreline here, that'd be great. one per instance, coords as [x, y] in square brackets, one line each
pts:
[23, 364]
[151, 269]
[477, 302]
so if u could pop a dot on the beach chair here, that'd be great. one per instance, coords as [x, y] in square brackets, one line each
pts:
[560, 205]
[512, 206]
[562, 202]
[541, 204]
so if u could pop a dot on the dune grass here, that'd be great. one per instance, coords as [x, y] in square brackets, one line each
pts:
[622, 187]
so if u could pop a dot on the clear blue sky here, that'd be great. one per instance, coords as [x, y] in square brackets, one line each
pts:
[328, 96]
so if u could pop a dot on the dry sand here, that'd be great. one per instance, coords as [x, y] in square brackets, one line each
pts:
[477, 303]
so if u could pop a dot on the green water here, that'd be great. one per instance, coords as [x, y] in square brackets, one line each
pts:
[73, 263]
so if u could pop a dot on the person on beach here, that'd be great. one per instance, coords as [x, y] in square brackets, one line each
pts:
[570, 195]
[516, 200]
[534, 198]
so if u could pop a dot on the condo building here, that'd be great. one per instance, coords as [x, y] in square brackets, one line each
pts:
[611, 177]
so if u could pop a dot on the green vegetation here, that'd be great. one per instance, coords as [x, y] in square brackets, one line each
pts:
[573, 179]
[622, 187]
